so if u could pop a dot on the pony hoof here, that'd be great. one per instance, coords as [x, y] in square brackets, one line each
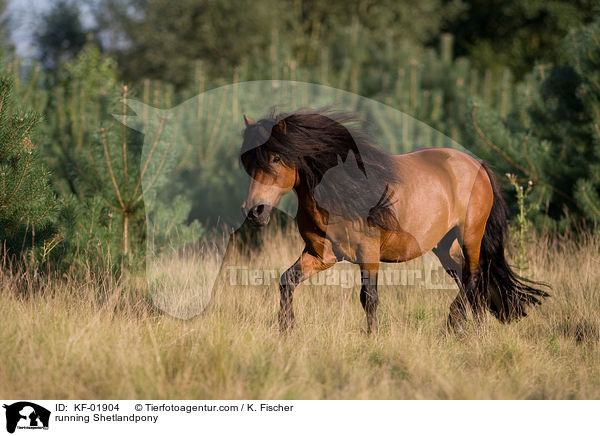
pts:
[372, 330]
[286, 323]
[454, 326]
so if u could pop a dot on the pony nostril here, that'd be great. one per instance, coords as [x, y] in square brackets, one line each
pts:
[253, 212]
[256, 212]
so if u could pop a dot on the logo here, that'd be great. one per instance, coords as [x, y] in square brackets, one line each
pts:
[26, 415]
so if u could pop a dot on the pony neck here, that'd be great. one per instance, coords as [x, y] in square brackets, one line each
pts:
[301, 188]
[306, 198]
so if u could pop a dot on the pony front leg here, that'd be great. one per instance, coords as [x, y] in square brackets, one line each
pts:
[304, 268]
[368, 293]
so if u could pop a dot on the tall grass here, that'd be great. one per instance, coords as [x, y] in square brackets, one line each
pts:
[90, 336]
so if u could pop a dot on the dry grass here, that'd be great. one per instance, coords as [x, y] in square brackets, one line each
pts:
[94, 338]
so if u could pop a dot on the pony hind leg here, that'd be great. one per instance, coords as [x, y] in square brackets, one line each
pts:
[456, 270]
[467, 274]
[443, 253]
[474, 285]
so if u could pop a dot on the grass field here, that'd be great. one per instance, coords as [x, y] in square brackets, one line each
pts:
[90, 337]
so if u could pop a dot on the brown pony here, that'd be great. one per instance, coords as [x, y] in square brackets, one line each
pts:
[363, 205]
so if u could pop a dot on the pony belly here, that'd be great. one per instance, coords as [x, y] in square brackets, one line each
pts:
[355, 241]
[351, 238]
[401, 247]
[344, 252]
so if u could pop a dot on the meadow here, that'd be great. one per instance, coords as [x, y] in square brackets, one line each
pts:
[87, 335]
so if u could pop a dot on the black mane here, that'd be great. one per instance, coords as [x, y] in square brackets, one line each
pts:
[313, 143]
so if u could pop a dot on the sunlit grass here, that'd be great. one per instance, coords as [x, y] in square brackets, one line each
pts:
[93, 337]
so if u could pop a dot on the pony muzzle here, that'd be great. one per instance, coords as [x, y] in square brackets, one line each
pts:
[259, 214]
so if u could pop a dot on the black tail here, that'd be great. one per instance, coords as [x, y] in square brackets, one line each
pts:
[506, 294]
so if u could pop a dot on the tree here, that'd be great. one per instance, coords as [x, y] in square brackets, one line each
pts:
[98, 167]
[25, 198]
[553, 135]
[61, 34]
[584, 56]
[161, 39]
[515, 33]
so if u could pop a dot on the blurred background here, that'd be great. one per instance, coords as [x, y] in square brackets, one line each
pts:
[515, 82]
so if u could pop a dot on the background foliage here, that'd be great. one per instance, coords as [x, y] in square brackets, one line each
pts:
[515, 82]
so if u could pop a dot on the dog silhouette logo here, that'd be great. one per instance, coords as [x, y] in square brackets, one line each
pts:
[26, 415]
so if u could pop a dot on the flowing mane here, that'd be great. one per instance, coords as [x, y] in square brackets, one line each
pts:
[316, 142]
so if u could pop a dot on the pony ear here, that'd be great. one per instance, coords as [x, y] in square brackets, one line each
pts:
[282, 126]
[340, 161]
[248, 121]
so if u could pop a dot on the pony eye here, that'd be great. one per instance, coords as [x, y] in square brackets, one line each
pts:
[276, 159]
